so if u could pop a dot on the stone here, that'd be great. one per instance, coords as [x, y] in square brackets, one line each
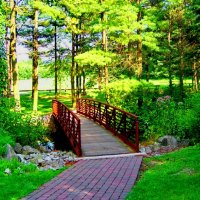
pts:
[27, 150]
[7, 171]
[18, 148]
[21, 158]
[10, 153]
[148, 150]
[142, 150]
[42, 149]
[50, 146]
[156, 146]
[168, 140]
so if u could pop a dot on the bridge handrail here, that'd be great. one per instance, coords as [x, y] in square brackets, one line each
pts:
[121, 123]
[70, 124]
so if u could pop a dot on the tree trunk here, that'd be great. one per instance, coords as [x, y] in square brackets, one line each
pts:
[195, 76]
[73, 72]
[9, 67]
[105, 48]
[55, 52]
[169, 57]
[35, 63]
[139, 45]
[100, 77]
[181, 76]
[13, 40]
[84, 81]
[77, 66]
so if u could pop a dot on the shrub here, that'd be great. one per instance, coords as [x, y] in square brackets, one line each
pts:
[21, 128]
[5, 138]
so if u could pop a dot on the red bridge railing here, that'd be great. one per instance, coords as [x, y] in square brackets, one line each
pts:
[122, 124]
[70, 124]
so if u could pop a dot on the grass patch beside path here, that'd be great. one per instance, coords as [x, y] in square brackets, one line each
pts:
[23, 179]
[173, 176]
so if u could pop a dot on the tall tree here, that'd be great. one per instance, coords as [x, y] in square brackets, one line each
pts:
[13, 40]
[35, 61]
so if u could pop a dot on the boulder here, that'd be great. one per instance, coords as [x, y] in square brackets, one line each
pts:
[27, 150]
[18, 148]
[21, 158]
[168, 140]
[10, 153]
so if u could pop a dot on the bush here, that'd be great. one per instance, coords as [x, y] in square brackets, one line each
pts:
[21, 128]
[5, 138]
[188, 118]
[167, 117]
[159, 114]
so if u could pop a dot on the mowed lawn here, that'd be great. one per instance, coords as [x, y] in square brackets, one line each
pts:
[173, 176]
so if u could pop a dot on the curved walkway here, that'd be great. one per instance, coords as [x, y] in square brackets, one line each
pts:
[106, 178]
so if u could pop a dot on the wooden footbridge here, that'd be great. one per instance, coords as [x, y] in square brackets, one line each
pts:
[97, 128]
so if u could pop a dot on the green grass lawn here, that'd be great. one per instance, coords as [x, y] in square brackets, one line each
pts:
[44, 102]
[173, 176]
[23, 179]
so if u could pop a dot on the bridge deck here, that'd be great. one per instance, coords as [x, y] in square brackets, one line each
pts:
[96, 140]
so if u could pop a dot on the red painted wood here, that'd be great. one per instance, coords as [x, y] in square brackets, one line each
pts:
[70, 124]
[121, 123]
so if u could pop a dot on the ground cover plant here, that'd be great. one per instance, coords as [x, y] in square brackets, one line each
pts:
[173, 176]
[23, 179]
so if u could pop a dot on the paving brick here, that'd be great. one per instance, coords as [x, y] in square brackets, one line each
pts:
[101, 178]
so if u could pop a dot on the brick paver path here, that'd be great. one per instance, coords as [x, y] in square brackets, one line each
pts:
[98, 179]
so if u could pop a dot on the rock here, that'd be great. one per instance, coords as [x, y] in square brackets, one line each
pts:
[148, 149]
[47, 158]
[42, 149]
[7, 171]
[142, 150]
[50, 146]
[10, 153]
[156, 146]
[168, 140]
[21, 158]
[27, 150]
[18, 148]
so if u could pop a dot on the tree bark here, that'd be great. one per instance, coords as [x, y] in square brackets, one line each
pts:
[73, 72]
[35, 63]
[13, 40]
[55, 52]
[139, 45]
[169, 56]
[195, 75]
[9, 67]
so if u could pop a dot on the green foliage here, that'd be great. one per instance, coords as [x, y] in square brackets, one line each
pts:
[21, 128]
[23, 180]
[25, 70]
[159, 114]
[167, 117]
[3, 73]
[173, 176]
[95, 58]
[5, 138]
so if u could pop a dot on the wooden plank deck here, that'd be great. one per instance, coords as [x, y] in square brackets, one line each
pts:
[97, 141]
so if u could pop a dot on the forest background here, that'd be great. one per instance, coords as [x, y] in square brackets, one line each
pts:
[117, 46]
